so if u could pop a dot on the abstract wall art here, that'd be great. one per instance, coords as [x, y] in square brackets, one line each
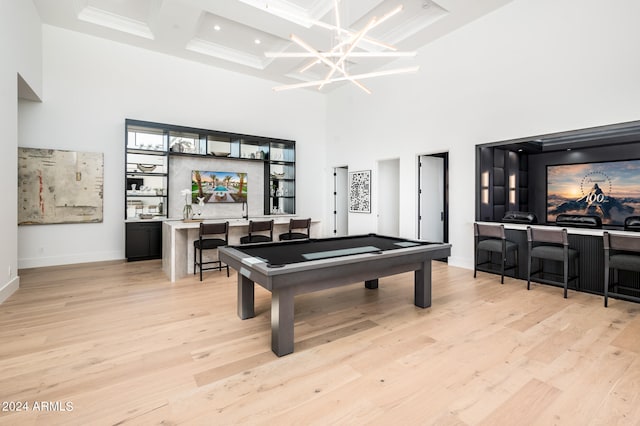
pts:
[57, 186]
[360, 191]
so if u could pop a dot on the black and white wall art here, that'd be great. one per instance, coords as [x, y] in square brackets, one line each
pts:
[360, 191]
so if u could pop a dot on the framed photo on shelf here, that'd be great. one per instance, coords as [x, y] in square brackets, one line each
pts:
[360, 191]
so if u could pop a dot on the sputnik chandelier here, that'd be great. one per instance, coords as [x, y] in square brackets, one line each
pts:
[348, 45]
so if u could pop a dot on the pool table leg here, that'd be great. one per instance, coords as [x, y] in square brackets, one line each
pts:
[372, 284]
[282, 321]
[422, 285]
[245, 297]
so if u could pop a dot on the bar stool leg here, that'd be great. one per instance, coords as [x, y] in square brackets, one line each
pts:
[606, 283]
[577, 272]
[529, 272]
[475, 261]
[566, 272]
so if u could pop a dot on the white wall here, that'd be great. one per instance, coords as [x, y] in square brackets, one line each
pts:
[529, 68]
[20, 50]
[388, 206]
[92, 85]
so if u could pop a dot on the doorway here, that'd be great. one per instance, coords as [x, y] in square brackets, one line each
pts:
[340, 201]
[433, 197]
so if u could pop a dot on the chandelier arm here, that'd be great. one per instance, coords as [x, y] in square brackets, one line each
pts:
[360, 85]
[346, 42]
[352, 46]
[283, 55]
[337, 10]
[351, 77]
[349, 33]
[313, 51]
[310, 64]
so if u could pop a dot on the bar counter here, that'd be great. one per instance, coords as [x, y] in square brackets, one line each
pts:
[178, 237]
[587, 241]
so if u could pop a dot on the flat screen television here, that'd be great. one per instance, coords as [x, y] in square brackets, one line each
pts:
[218, 187]
[610, 190]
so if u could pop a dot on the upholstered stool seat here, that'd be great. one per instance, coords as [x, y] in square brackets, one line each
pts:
[491, 238]
[621, 252]
[496, 245]
[632, 223]
[552, 252]
[553, 245]
[628, 262]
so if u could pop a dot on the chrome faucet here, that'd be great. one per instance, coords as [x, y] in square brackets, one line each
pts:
[245, 210]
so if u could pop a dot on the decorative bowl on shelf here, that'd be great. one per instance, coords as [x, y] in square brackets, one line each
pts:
[146, 216]
[146, 167]
[221, 154]
[277, 175]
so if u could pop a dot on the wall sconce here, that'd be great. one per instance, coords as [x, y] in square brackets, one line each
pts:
[484, 187]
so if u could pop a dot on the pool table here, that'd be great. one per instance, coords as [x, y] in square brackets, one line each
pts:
[303, 266]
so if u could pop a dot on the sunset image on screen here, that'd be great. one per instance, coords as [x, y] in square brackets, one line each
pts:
[610, 190]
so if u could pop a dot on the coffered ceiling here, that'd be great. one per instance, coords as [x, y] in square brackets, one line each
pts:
[236, 34]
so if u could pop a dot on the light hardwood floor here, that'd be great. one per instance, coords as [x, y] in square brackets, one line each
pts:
[124, 346]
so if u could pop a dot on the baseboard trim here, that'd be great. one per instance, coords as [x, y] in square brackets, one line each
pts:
[9, 288]
[39, 262]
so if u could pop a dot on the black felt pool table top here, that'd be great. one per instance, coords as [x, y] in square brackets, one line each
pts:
[296, 251]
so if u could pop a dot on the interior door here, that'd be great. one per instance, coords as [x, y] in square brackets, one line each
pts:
[340, 204]
[432, 198]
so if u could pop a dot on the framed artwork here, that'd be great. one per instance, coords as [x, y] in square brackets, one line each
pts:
[59, 186]
[360, 192]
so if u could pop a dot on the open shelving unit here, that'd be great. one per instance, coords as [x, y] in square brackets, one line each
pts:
[148, 149]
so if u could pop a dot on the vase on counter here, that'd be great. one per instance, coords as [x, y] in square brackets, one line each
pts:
[187, 212]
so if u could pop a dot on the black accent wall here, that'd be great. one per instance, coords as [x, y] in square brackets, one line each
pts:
[508, 179]
[502, 183]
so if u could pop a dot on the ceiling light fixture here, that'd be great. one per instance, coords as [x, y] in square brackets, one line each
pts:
[216, 27]
[345, 48]
[257, 41]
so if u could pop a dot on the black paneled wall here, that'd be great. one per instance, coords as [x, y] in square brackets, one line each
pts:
[499, 184]
[502, 183]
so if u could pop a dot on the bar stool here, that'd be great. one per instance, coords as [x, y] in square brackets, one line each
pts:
[550, 244]
[299, 225]
[211, 236]
[632, 223]
[258, 226]
[491, 238]
[621, 252]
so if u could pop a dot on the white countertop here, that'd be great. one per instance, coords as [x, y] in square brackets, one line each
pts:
[574, 231]
[285, 217]
[180, 224]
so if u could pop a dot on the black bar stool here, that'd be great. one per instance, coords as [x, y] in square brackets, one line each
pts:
[632, 223]
[297, 225]
[621, 252]
[258, 226]
[491, 238]
[211, 236]
[550, 244]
